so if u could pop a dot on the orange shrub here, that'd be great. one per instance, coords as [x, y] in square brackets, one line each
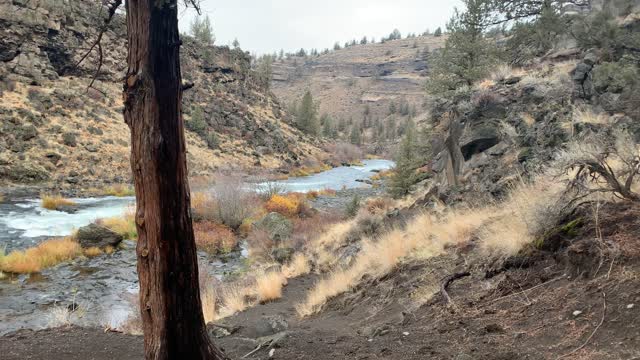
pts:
[286, 205]
[214, 238]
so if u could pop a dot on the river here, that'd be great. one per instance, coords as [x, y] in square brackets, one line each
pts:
[103, 286]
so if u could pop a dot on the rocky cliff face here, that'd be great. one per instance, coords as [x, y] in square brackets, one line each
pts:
[372, 75]
[55, 128]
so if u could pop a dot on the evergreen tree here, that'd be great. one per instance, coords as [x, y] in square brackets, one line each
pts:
[202, 30]
[356, 135]
[395, 35]
[264, 70]
[438, 32]
[337, 46]
[467, 55]
[392, 108]
[364, 41]
[236, 43]
[404, 176]
[307, 119]
[328, 128]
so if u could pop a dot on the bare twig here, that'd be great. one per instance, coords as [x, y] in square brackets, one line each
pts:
[604, 312]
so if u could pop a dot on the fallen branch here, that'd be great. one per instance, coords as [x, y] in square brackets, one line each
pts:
[256, 349]
[447, 281]
[604, 312]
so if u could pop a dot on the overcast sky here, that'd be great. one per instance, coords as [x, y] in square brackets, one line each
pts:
[267, 26]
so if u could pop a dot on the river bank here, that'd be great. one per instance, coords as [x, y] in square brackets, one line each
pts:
[104, 287]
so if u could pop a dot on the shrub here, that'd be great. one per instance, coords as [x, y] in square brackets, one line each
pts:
[197, 123]
[615, 77]
[353, 206]
[214, 238]
[232, 202]
[343, 153]
[602, 164]
[286, 205]
[268, 189]
[378, 205]
[55, 202]
[45, 255]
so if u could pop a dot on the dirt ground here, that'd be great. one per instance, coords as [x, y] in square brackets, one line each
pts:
[578, 301]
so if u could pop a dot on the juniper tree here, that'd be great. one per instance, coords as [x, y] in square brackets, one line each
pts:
[404, 175]
[307, 119]
[202, 30]
[467, 55]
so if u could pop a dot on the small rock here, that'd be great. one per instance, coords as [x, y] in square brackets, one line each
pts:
[405, 333]
[577, 313]
[270, 325]
[271, 352]
[630, 306]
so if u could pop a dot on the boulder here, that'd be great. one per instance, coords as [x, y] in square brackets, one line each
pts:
[270, 325]
[96, 235]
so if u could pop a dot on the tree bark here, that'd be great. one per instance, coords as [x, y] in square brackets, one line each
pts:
[170, 301]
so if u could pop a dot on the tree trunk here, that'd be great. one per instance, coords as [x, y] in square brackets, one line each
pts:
[170, 302]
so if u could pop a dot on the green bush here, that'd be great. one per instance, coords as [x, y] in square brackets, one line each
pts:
[615, 77]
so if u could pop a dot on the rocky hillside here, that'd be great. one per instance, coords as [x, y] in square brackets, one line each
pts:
[56, 129]
[372, 76]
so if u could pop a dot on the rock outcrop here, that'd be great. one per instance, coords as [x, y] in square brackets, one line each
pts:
[47, 108]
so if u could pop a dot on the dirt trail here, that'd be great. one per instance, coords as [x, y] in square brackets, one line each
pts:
[561, 304]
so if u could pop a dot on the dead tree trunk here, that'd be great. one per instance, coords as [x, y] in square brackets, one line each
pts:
[170, 302]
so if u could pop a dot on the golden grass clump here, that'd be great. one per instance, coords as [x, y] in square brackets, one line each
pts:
[45, 255]
[209, 297]
[1, 198]
[124, 225]
[54, 202]
[92, 252]
[269, 286]
[233, 299]
[298, 266]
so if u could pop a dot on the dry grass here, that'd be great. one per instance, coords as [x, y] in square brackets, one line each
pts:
[298, 266]
[502, 229]
[214, 238]
[209, 298]
[45, 255]
[234, 299]
[54, 202]
[109, 249]
[269, 286]
[1, 198]
[125, 225]
[119, 190]
[92, 252]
